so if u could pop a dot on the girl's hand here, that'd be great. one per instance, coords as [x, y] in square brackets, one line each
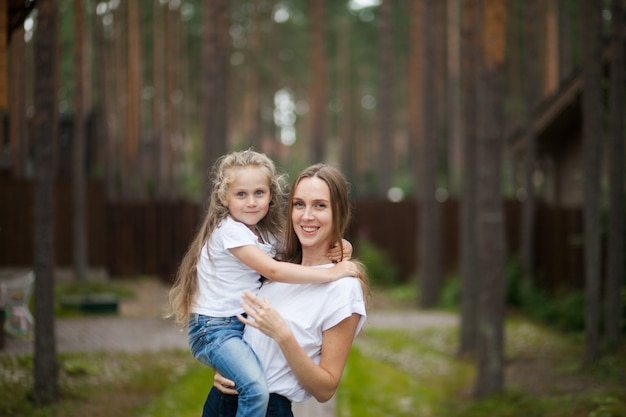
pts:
[263, 316]
[334, 253]
[346, 269]
[223, 384]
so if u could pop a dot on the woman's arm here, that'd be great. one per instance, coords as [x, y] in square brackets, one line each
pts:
[270, 268]
[319, 380]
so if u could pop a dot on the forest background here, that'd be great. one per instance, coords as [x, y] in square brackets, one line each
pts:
[417, 99]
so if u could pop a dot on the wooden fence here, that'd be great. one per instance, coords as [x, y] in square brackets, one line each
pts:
[151, 237]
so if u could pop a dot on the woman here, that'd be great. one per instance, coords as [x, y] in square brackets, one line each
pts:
[302, 333]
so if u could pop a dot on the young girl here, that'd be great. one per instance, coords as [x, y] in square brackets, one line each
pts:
[233, 249]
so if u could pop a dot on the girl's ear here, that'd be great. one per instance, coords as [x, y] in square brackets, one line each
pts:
[223, 199]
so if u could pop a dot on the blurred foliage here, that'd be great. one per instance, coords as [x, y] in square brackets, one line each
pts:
[381, 269]
[563, 310]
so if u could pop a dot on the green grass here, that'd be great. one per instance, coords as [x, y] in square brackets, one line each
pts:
[402, 374]
[185, 397]
[393, 373]
[108, 384]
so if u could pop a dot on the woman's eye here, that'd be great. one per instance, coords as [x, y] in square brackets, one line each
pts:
[297, 204]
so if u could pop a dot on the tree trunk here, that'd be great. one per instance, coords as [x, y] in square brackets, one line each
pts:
[159, 106]
[107, 74]
[438, 66]
[253, 94]
[592, 144]
[615, 266]
[455, 117]
[385, 148]
[415, 81]
[565, 44]
[318, 94]
[134, 183]
[531, 82]
[346, 124]
[45, 128]
[173, 96]
[469, 256]
[429, 229]
[491, 250]
[103, 96]
[216, 62]
[119, 112]
[78, 145]
[551, 49]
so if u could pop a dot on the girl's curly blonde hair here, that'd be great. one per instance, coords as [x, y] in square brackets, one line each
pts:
[182, 293]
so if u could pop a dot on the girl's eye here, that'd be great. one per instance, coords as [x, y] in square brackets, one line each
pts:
[260, 192]
[241, 194]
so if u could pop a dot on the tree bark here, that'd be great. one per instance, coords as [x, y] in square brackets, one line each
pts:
[345, 87]
[531, 95]
[216, 62]
[469, 256]
[615, 266]
[565, 45]
[429, 228]
[551, 49]
[454, 111]
[592, 144]
[159, 106]
[490, 229]
[385, 148]
[78, 145]
[252, 100]
[318, 92]
[45, 128]
[134, 185]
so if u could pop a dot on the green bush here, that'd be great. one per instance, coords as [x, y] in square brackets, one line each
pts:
[380, 268]
[563, 311]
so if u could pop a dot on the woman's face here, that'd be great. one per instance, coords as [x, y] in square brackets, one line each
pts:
[312, 214]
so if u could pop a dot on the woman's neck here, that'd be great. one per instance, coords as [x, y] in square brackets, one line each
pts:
[313, 257]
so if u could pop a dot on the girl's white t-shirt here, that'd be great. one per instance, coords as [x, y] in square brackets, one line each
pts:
[222, 277]
[309, 310]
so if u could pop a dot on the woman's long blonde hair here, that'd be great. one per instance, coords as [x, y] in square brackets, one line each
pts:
[182, 293]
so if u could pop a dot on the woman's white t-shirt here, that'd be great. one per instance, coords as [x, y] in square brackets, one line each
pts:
[309, 310]
[222, 277]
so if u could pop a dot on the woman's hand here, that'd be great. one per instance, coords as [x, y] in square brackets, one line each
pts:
[224, 385]
[335, 254]
[263, 316]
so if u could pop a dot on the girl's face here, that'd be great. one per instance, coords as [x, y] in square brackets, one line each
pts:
[312, 214]
[248, 196]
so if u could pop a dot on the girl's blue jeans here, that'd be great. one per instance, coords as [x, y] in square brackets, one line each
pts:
[217, 342]
[218, 404]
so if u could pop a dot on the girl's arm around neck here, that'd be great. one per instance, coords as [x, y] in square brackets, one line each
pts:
[255, 258]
